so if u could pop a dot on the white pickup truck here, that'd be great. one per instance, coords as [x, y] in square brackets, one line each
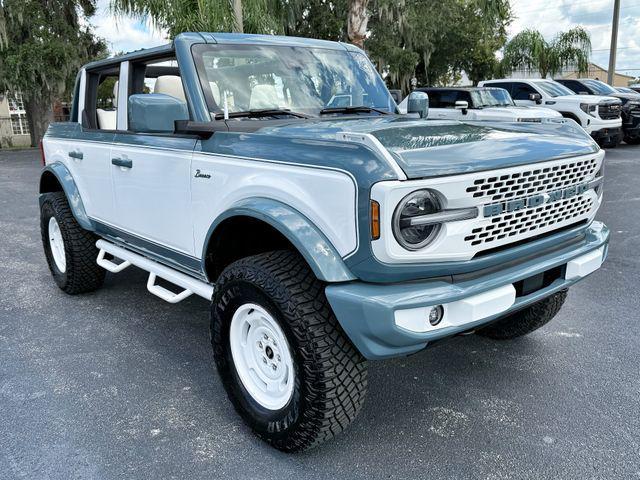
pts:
[480, 104]
[323, 232]
[599, 115]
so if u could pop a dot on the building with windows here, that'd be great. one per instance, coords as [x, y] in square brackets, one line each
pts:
[14, 128]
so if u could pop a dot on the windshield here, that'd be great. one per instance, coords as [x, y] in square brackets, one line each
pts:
[553, 89]
[493, 97]
[302, 79]
[598, 87]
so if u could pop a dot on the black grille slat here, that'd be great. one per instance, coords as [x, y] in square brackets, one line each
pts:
[609, 111]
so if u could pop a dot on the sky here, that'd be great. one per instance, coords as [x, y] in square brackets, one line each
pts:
[124, 34]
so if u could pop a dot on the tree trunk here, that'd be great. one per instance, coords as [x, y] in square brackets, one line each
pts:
[357, 22]
[237, 13]
[39, 116]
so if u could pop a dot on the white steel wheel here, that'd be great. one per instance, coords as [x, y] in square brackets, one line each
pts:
[261, 356]
[56, 243]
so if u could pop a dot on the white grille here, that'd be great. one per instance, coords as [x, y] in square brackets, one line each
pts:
[531, 182]
[525, 221]
[464, 239]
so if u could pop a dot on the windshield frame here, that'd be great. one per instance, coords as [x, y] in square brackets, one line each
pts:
[541, 84]
[377, 83]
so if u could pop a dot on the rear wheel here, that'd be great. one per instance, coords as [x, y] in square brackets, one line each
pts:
[526, 320]
[287, 366]
[70, 250]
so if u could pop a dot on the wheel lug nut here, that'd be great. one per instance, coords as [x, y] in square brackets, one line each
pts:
[264, 359]
[259, 344]
[266, 337]
[274, 366]
[278, 357]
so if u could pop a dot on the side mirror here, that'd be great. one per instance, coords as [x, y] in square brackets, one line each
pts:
[418, 102]
[155, 112]
[396, 95]
[462, 105]
[535, 97]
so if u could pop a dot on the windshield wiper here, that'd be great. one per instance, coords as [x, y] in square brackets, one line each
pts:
[357, 109]
[265, 112]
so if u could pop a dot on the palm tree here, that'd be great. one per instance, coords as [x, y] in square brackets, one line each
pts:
[529, 49]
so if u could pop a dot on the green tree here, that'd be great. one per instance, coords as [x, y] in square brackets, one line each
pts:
[529, 49]
[436, 41]
[176, 16]
[43, 43]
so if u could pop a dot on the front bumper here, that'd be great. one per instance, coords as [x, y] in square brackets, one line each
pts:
[607, 136]
[631, 126]
[370, 314]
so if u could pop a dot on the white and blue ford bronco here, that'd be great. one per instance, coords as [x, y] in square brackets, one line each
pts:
[274, 177]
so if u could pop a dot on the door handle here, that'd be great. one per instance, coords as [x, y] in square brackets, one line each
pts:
[122, 162]
[76, 155]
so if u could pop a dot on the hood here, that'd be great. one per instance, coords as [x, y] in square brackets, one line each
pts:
[587, 98]
[625, 97]
[427, 148]
[518, 112]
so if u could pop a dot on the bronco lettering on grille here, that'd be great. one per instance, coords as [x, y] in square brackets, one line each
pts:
[535, 200]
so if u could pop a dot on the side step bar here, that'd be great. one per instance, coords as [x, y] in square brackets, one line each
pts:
[189, 284]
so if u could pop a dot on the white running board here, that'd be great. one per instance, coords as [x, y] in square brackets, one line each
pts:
[189, 284]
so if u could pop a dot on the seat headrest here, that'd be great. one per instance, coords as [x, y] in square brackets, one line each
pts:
[170, 85]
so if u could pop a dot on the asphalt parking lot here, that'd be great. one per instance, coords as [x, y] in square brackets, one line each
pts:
[119, 384]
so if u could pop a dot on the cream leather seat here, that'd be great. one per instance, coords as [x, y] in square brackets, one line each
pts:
[107, 119]
[170, 85]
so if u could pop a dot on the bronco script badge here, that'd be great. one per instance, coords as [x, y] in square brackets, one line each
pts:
[535, 200]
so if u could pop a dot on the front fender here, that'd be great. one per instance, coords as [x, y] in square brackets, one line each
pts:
[62, 174]
[313, 245]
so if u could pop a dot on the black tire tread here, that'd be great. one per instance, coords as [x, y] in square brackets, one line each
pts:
[82, 274]
[336, 373]
[527, 320]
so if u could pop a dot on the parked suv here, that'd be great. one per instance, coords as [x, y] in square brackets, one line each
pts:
[323, 236]
[477, 103]
[630, 103]
[599, 115]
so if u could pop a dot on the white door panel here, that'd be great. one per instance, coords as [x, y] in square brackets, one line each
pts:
[153, 196]
[91, 173]
[327, 197]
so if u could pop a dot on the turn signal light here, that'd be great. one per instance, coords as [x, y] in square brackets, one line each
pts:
[375, 220]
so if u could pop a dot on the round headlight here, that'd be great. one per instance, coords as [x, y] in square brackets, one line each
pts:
[416, 204]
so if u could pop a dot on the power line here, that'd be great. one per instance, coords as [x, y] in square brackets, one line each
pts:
[546, 7]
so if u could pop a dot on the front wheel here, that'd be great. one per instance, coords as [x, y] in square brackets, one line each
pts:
[70, 250]
[287, 366]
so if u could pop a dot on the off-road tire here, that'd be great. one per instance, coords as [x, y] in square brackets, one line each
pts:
[82, 273]
[330, 374]
[526, 320]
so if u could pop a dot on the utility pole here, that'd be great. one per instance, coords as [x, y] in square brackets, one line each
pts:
[614, 42]
[237, 13]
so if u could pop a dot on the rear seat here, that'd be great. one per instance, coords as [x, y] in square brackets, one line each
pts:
[107, 119]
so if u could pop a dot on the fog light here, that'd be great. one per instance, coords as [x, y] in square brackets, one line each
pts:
[435, 315]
